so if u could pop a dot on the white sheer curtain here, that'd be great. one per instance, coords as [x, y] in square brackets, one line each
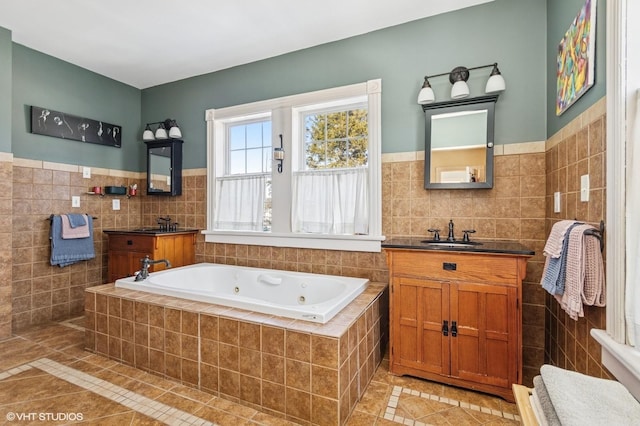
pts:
[331, 201]
[632, 292]
[240, 204]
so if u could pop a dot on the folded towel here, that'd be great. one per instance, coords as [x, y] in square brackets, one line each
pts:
[70, 232]
[66, 252]
[593, 290]
[537, 409]
[583, 400]
[553, 246]
[554, 276]
[76, 220]
[583, 253]
[544, 403]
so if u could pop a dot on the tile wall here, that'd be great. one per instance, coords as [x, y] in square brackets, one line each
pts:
[578, 149]
[514, 209]
[6, 218]
[40, 292]
[305, 372]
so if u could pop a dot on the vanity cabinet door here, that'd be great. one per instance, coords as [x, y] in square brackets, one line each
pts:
[119, 265]
[484, 348]
[418, 341]
[125, 254]
[179, 249]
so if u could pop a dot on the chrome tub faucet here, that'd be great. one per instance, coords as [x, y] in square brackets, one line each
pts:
[143, 274]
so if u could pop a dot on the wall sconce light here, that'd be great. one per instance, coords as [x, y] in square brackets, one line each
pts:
[278, 155]
[161, 132]
[458, 77]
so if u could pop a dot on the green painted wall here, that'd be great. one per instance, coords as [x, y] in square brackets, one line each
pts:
[45, 81]
[560, 14]
[5, 90]
[521, 35]
[510, 32]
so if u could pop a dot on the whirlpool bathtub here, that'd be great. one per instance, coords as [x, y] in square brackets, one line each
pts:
[296, 295]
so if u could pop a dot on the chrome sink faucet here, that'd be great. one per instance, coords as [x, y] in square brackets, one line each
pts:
[143, 274]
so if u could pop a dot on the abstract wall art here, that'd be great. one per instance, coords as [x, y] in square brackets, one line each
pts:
[576, 58]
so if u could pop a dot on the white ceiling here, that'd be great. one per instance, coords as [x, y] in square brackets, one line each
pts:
[144, 43]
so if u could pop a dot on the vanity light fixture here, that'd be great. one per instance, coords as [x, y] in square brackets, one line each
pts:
[458, 77]
[161, 132]
[278, 155]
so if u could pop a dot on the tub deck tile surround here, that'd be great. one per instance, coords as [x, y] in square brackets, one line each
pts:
[305, 372]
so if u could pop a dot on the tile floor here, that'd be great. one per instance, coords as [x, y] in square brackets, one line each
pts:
[47, 378]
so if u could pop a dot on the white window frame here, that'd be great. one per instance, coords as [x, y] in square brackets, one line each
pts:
[282, 111]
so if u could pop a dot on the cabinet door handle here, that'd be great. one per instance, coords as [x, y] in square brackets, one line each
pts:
[454, 329]
[445, 328]
[129, 242]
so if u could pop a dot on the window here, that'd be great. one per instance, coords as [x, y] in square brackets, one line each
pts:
[329, 192]
[244, 187]
[330, 183]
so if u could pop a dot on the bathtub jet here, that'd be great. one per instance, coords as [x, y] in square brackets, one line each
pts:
[297, 295]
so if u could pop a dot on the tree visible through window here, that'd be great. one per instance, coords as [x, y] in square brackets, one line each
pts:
[336, 139]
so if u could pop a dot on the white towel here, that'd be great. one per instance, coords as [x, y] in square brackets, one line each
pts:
[583, 400]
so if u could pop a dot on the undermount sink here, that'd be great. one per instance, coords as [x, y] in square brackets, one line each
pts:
[451, 244]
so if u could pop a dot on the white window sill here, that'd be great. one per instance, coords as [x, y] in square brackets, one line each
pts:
[365, 243]
[622, 360]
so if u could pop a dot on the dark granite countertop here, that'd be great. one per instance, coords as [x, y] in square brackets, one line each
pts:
[150, 230]
[479, 246]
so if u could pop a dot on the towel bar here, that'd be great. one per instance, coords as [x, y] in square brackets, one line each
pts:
[51, 217]
[598, 233]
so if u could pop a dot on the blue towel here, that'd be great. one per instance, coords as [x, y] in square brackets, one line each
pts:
[76, 220]
[555, 276]
[67, 252]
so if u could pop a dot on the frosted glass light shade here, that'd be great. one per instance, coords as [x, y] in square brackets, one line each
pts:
[161, 133]
[174, 132]
[147, 135]
[426, 96]
[459, 90]
[495, 84]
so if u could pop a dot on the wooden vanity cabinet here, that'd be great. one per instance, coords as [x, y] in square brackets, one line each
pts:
[125, 249]
[456, 318]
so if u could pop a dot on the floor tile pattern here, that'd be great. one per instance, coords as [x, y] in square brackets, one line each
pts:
[399, 391]
[45, 370]
[137, 402]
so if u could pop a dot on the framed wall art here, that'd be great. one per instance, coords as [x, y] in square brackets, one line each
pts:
[58, 124]
[576, 58]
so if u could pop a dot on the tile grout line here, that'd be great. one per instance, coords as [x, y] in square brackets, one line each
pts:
[139, 403]
[70, 324]
[392, 404]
